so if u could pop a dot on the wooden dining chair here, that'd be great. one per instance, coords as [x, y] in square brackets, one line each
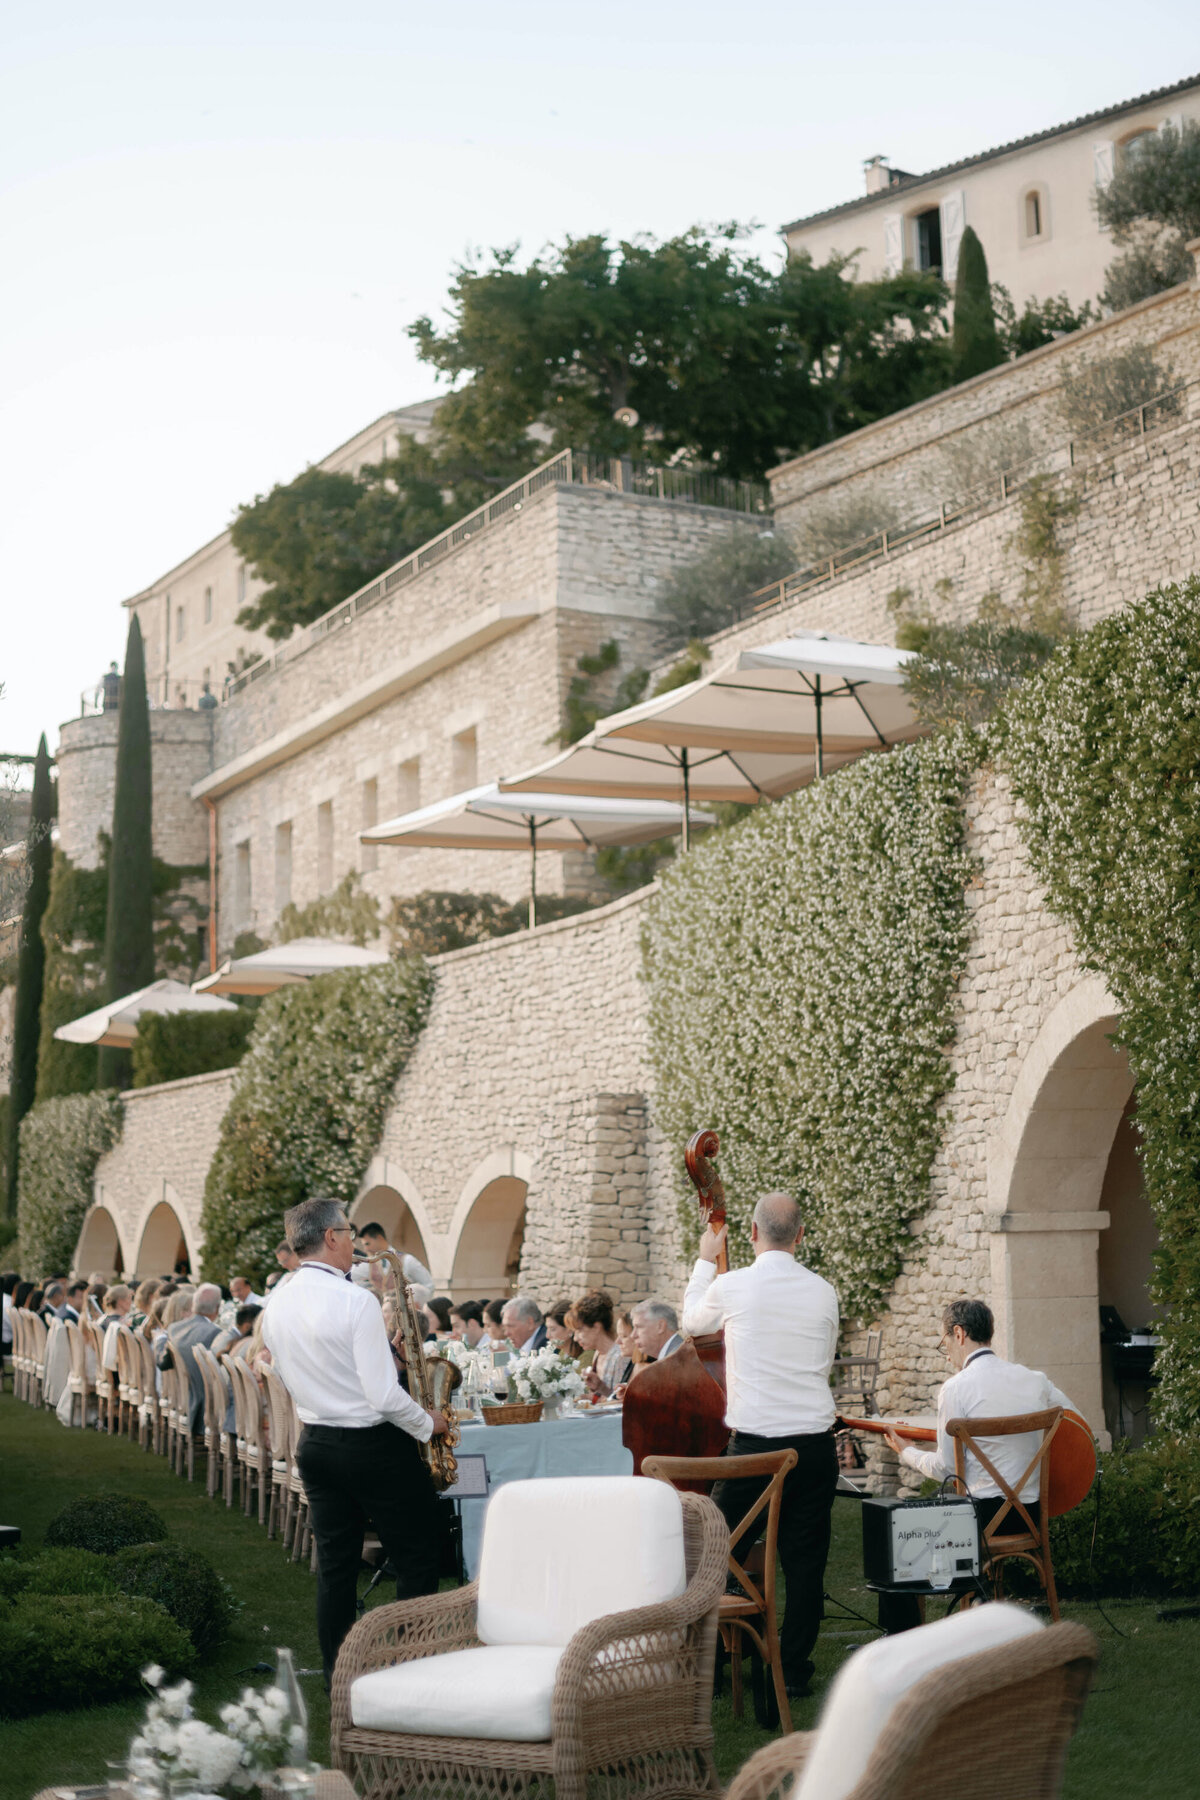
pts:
[153, 1407]
[219, 1442]
[752, 1613]
[128, 1383]
[38, 1337]
[1032, 1544]
[252, 1452]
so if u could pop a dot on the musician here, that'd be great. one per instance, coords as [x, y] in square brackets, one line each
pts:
[781, 1331]
[358, 1453]
[984, 1386]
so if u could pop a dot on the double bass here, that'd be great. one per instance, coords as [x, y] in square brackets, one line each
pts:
[677, 1407]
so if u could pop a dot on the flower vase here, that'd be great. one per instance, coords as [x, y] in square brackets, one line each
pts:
[551, 1406]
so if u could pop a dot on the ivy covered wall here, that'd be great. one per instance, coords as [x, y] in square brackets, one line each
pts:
[802, 968]
[61, 1143]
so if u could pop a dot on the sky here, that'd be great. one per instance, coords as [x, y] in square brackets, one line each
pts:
[217, 221]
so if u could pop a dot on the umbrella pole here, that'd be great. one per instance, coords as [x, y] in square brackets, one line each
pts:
[532, 873]
[687, 807]
[820, 739]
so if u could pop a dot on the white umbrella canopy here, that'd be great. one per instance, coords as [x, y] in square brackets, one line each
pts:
[484, 818]
[849, 697]
[286, 965]
[117, 1023]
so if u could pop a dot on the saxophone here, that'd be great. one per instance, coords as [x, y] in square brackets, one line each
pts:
[431, 1379]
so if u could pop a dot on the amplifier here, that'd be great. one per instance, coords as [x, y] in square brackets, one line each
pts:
[920, 1543]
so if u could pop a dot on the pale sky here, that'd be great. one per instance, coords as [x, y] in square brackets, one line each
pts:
[217, 220]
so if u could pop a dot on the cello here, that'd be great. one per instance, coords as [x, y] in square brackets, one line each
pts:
[677, 1407]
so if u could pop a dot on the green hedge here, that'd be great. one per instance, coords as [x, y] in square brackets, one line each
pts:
[61, 1143]
[61, 1651]
[172, 1046]
[801, 967]
[1146, 1519]
[105, 1523]
[183, 1582]
[55, 1572]
[308, 1104]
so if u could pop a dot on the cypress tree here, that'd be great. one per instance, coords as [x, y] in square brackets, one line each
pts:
[975, 344]
[31, 963]
[129, 926]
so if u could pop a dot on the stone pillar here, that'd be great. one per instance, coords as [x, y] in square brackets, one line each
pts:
[586, 1220]
[1045, 1295]
[181, 753]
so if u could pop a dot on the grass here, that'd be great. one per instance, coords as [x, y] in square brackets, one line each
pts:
[1138, 1735]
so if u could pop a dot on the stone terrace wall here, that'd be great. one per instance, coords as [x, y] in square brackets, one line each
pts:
[911, 462]
[166, 1144]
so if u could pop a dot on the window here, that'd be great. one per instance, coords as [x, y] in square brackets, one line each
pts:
[1033, 214]
[325, 846]
[464, 760]
[180, 623]
[1135, 146]
[370, 816]
[408, 794]
[929, 238]
[283, 865]
[241, 885]
[208, 606]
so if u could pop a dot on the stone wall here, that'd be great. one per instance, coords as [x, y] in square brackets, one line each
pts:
[180, 754]
[166, 1144]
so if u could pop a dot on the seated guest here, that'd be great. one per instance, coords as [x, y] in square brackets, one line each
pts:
[36, 1302]
[96, 1291]
[493, 1323]
[21, 1293]
[466, 1322]
[9, 1283]
[54, 1304]
[523, 1324]
[627, 1341]
[147, 1291]
[288, 1262]
[560, 1330]
[437, 1318]
[594, 1328]
[118, 1304]
[199, 1328]
[984, 1386]
[236, 1341]
[656, 1329]
[241, 1291]
[77, 1299]
[152, 1327]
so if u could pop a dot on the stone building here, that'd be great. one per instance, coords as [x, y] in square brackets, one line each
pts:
[522, 1144]
[1031, 204]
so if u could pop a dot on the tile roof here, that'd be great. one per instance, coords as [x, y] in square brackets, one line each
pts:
[969, 162]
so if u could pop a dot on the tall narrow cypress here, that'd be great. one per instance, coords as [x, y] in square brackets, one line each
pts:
[31, 964]
[129, 927]
[974, 344]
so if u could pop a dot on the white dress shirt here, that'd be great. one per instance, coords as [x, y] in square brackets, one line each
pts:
[327, 1339]
[781, 1332]
[987, 1387]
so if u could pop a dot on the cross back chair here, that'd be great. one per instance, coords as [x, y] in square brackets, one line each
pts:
[37, 1341]
[752, 1613]
[81, 1383]
[153, 1407]
[252, 1453]
[129, 1381]
[1031, 1545]
[219, 1443]
[279, 1455]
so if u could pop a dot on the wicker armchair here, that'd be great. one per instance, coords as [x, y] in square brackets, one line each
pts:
[993, 1726]
[632, 1691]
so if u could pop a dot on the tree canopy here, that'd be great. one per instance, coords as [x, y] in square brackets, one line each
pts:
[1152, 208]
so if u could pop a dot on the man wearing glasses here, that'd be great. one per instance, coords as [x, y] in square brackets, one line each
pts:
[358, 1454]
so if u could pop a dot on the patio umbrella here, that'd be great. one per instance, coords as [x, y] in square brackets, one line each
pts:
[848, 696]
[117, 1023]
[483, 818]
[286, 965]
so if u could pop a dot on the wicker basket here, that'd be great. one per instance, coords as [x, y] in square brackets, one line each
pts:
[513, 1413]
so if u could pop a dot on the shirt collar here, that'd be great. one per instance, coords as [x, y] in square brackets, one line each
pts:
[314, 1262]
[985, 1351]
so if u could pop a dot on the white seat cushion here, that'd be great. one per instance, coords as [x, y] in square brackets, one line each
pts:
[876, 1677]
[503, 1692]
[559, 1553]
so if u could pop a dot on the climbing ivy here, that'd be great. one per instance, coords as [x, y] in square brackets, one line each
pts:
[61, 1143]
[1104, 751]
[801, 968]
[308, 1105]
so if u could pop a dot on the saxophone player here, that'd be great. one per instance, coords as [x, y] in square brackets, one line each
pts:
[358, 1453]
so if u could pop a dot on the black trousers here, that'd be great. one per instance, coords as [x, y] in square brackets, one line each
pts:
[804, 1526]
[352, 1477]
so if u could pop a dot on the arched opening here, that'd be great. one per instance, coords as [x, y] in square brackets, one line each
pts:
[384, 1206]
[163, 1249]
[99, 1248]
[1125, 1270]
[488, 1254]
[1075, 1232]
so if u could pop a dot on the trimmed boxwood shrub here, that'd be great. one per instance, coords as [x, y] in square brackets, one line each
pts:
[55, 1572]
[1147, 1529]
[105, 1523]
[182, 1581]
[60, 1651]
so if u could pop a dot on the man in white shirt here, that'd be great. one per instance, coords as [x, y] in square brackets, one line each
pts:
[358, 1454]
[781, 1330]
[241, 1291]
[984, 1386]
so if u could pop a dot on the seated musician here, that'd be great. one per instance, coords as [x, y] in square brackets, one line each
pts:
[984, 1386]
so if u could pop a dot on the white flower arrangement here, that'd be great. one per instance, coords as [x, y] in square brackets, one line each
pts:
[544, 1374]
[259, 1736]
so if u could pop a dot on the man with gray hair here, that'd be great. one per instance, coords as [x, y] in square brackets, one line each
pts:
[656, 1329]
[200, 1327]
[781, 1330]
[524, 1326]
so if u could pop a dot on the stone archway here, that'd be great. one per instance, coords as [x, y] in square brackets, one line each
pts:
[488, 1229]
[385, 1205]
[99, 1248]
[163, 1246]
[1062, 1158]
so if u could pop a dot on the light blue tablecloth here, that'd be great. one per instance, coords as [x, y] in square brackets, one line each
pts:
[571, 1446]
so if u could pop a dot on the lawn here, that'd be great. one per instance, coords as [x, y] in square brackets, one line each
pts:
[1138, 1735]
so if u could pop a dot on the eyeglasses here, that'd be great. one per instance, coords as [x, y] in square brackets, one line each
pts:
[348, 1228]
[942, 1342]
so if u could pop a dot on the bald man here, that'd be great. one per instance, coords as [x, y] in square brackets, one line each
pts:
[781, 1330]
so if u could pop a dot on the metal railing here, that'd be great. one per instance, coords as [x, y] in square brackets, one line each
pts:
[1105, 439]
[163, 693]
[691, 487]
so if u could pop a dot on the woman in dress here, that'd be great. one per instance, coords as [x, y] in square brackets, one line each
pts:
[594, 1328]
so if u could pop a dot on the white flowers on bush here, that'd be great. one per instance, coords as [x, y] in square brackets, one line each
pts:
[543, 1374]
[257, 1736]
[61, 1143]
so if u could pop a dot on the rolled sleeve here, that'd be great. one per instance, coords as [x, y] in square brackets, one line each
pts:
[377, 1372]
[703, 1307]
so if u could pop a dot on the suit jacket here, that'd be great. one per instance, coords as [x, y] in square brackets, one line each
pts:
[183, 1337]
[536, 1341]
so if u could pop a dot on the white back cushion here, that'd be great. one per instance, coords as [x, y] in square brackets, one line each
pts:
[876, 1677]
[559, 1553]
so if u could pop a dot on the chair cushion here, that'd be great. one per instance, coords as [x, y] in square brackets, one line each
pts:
[559, 1553]
[876, 1677]
[503, 1692]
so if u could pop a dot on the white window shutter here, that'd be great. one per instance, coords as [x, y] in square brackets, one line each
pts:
[953, 210]
[1103, 159]
[893, 243]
